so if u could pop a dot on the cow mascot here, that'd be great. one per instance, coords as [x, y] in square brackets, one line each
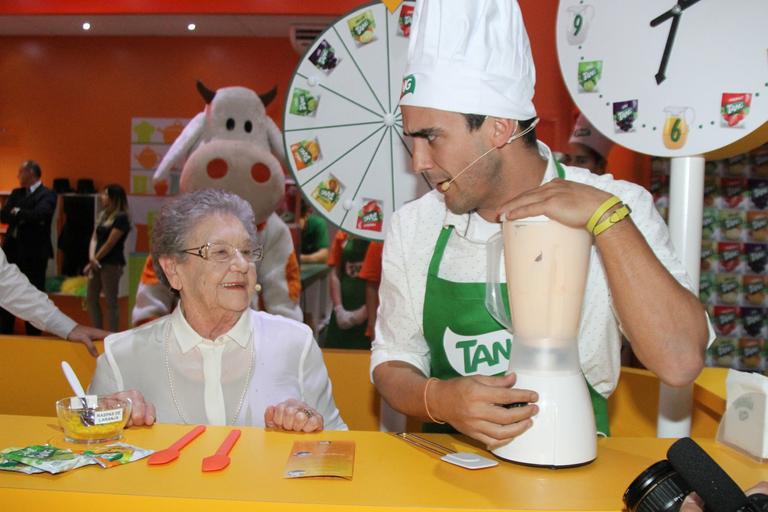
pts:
[231, 145]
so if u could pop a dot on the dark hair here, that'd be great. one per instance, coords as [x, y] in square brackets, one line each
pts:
[32, 166]
[118, 203]
[475, 121]
[117, 198]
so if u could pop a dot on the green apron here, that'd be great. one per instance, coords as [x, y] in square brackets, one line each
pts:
[455, 318]
[352, 297]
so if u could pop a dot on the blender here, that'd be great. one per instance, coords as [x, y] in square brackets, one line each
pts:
[546, 265]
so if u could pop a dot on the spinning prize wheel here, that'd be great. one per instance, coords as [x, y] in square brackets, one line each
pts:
[343, 130]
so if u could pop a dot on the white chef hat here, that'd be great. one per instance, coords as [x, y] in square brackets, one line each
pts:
[472, 57]
[585, 133]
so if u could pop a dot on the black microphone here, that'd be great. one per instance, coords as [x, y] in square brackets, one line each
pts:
[718, 490]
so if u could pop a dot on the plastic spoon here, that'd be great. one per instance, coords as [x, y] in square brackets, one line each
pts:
[172, 452]
[87, 416]
[220, 459]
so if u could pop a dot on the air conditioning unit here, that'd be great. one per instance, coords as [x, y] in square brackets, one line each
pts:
[302, 36]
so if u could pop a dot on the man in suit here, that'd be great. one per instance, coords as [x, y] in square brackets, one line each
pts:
[28, 213]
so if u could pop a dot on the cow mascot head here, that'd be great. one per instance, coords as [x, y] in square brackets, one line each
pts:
[231, 146]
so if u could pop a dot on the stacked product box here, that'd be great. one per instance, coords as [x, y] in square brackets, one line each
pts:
[734, 255]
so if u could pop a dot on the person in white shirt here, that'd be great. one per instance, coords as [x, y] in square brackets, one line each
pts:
[467, 104]
[22, 299]
[214, 360]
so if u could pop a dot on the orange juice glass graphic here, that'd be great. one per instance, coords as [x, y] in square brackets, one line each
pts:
[676, 126]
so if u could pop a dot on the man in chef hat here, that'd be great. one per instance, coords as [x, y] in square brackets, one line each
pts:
[467, 105]
[588, 147]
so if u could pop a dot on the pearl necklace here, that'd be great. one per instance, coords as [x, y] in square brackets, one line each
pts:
[166, 344]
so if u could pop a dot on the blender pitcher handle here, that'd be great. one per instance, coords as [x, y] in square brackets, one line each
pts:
[494, 301]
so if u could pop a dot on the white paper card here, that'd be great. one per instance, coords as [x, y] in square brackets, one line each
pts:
[745, 422]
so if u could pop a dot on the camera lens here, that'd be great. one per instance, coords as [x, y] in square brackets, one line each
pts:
[657, 489]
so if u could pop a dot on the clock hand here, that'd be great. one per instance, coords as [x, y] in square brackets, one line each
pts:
[674, 11]
[660, 76]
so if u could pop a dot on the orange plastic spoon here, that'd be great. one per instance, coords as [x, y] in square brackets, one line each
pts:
[220, 459]
[172, 452]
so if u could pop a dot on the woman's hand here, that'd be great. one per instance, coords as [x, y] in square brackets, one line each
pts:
[293, 416]
[142, 412]
[348, 319]
[91, 266]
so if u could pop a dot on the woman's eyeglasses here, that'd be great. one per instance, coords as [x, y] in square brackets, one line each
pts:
[222, 252]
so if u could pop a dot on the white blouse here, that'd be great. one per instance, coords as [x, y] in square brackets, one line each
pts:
[263, 360]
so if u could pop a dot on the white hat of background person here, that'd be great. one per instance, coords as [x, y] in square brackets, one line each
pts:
[585, 133]
[472, 57]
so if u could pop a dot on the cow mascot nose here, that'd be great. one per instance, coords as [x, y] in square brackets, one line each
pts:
[233, 145]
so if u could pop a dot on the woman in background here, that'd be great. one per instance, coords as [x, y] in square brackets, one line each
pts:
[106, 254]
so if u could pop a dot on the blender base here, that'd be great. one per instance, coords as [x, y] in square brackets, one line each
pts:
[563, 432]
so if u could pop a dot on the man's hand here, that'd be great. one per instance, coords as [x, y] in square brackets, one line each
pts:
[693, 503]
[475, 406]
[294, 416]
[567, 202]
[142, 412]
[85, 335]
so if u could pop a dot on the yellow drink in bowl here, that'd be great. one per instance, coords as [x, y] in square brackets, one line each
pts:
[109, 417]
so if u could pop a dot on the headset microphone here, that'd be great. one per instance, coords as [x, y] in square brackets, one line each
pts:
[445, 186]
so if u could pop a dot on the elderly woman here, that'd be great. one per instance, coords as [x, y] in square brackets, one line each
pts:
[214, 360]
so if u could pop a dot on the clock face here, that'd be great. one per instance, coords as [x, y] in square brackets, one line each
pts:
[667, 78]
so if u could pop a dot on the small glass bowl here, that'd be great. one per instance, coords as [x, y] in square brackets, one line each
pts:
[109, 417]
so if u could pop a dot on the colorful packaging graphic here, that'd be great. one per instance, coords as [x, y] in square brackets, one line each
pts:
[726, 320]
[750, 353]
[625, 115]
[757, 224]
[709, 256]
[303, 103]
[737, 165]
[758, 192]
[710, 221]
[730, 256]
[756, 256]
[732, 223]
[753, 288]
[371, 215]
[752, 321]
[305, 153]
[328, 192]
[722, 352]
[734, 108]
[728, 288]
[760, 161]
[732, 191]
[590, 73]
[406, 18]
[711, 190]
[324, 57]
[706, 287]
[363, 28]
